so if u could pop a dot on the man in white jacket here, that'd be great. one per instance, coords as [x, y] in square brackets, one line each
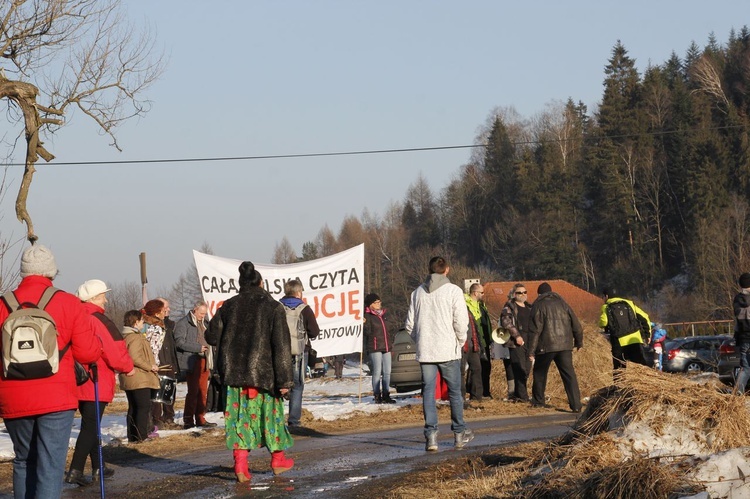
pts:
[438, 322]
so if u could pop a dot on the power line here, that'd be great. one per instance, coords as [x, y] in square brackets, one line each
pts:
[250, 158]
[378, 151]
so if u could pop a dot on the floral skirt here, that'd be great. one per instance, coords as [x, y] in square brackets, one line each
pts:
[250, 423]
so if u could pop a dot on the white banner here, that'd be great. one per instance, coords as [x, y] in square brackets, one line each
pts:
[333, 288]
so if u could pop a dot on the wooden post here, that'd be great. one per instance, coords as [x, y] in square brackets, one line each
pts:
[144, 279]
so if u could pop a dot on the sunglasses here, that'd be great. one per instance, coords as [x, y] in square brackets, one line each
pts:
[521, 292]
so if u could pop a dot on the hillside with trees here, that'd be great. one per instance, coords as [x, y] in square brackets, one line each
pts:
[648, 193]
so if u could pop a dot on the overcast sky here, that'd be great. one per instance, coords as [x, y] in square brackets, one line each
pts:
[257, 78]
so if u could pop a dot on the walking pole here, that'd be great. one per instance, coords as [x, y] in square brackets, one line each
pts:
[95, 379]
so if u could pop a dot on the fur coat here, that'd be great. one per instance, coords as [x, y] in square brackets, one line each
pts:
[253, 342]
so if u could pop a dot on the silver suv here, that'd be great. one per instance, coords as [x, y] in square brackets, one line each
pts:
[693, 354]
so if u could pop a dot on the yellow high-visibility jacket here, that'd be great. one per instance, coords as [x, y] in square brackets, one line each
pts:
[631, 338]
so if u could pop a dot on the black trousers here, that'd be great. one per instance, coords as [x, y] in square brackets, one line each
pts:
[486, 370]
[564, 362]
[473, 381]
[630, 353]
[139, 414]
[216, 400]
[87, 444]
[520, 366]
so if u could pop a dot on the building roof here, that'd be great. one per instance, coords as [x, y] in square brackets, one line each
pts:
[587, 306]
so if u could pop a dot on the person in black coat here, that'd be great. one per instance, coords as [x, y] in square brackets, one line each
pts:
[553, 333]
[254, 361]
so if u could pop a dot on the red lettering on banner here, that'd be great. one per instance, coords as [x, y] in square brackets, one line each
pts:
[353, 302]
[213, 306]
[323, 309]
[348, 304]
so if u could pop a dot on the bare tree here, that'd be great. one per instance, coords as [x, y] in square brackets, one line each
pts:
[326, 242]
[187, 290]
[284, 253]
[123, 296]
[60, 55]
[559, 124]
[709, 81]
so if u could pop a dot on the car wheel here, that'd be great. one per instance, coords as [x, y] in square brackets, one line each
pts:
[694, 367]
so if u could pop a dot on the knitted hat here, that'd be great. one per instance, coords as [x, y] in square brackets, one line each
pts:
[370, 299]
[543, 288]
[745, 280]
[38, 260]
[90, 289]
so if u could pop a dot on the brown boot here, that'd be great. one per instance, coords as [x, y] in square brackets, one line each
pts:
[280, 463]
[240, 465]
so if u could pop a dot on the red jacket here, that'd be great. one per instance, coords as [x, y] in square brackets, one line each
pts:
[115, 357]
[21, 398]
[472, 340]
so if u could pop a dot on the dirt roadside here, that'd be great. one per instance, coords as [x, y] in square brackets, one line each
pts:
[193, 463]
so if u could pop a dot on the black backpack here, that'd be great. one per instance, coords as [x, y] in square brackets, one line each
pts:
[621, 319]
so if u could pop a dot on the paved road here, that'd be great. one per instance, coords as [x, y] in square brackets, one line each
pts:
[326, 465]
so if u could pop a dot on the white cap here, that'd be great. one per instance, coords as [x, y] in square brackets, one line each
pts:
[90, 289]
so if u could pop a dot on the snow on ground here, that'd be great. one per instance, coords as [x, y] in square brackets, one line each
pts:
[326, 398]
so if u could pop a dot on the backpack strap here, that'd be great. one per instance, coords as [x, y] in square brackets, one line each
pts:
[10, 301]
[46, 297]
[12, 304]
[114, 331]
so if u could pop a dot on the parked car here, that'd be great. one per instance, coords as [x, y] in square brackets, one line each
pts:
[406, 375]
[693, 354]
[729, 362]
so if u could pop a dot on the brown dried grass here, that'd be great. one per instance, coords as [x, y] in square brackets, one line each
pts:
[590, 460]
[722, 417]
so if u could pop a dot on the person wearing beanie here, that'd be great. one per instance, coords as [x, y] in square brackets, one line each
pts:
[554, 330]
[543, 288]
[115, 359]
[378, 348]
[628, 328]
[741, 309]
[38, 413]
[255, 364]
[38, 260]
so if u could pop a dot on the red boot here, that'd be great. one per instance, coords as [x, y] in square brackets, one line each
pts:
[279, 463]
[240, 465]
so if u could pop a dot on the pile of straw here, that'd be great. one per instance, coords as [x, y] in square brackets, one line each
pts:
[602, 458]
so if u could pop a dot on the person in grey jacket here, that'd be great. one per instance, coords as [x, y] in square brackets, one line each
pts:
[193, 359]
[553, 333]
[438, 323]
